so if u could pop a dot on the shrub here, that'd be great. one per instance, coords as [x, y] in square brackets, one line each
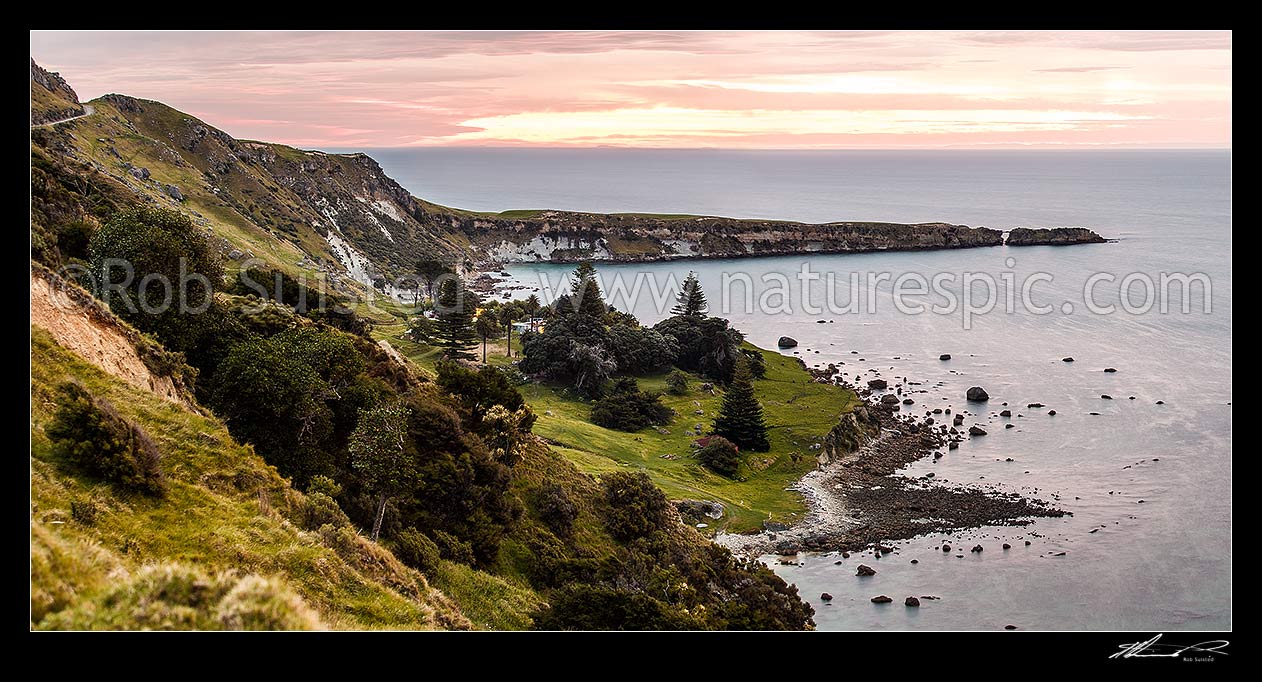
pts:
[159, 242]
[588, 607]
[627, 408]
[415, 549]
[324, 484]
[453, 548]
[635, 507]
[320, 509]
[84, 510]
[677, 382]
[556, 509]
[721, 456]
[88, 433]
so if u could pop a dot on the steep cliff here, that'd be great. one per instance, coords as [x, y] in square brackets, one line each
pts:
[52, 99]
[568, 237]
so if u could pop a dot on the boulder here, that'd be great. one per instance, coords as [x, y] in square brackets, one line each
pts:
[1006, 413]
[944, 356]
[976, 430]
[978, 394]
[878, 384]
[174, 192]
[912, 601]
[826, 597]
[1109, 370]
[865, 570]
[881, 599]
[1051, 413]
[1105, 396]
[787, 342]
[1066, 359]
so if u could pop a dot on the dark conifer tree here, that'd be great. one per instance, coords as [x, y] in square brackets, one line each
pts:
[453, 326]
[691, 299]
[740, 417]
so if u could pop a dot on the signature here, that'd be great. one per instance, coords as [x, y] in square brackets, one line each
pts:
[1153, 649]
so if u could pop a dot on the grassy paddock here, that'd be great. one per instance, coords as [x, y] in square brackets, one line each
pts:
[799, 413]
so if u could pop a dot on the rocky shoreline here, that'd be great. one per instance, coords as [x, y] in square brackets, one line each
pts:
[857, 501]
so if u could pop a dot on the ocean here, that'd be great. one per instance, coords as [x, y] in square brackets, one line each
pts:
[1152, 480]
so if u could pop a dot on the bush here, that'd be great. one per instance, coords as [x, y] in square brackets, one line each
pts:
[453, 548]
[588, 607]
[627, 408]
[88, 433]
[556, 509]
[321, 509]
[324, 484]
[415, 549]
[159, 242]
[635, 507]
[84, 511]
[721, 456]
[677, 382]
[757, 363]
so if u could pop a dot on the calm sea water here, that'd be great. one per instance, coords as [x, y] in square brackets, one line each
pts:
[1160, 564]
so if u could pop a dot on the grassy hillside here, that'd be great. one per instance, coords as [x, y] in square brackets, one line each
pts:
[225, 511]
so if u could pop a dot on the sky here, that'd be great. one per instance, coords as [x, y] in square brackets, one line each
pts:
[710, 89]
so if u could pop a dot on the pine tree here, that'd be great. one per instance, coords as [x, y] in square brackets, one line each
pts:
[453, 326]
[740, 417]
[585, 292]
[691, 299]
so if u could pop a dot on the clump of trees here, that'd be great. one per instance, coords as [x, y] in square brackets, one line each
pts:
[626, 408]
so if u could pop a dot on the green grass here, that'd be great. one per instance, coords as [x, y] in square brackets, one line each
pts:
[799, 413]
[223, 510]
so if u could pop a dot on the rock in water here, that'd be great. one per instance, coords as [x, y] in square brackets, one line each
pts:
[787, 342]
[978, 394]
[1066, 359]
[1010, 627]
[976, 430]
[1105, 396]
[878, 384]
[1109, 370]
[826, 597]
[881, 599]
[1051, 413]
[1006, 413]
[865, 570]
[911, 601]
[944, 356]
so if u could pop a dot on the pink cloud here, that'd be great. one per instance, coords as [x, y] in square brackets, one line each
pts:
[340, 89]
